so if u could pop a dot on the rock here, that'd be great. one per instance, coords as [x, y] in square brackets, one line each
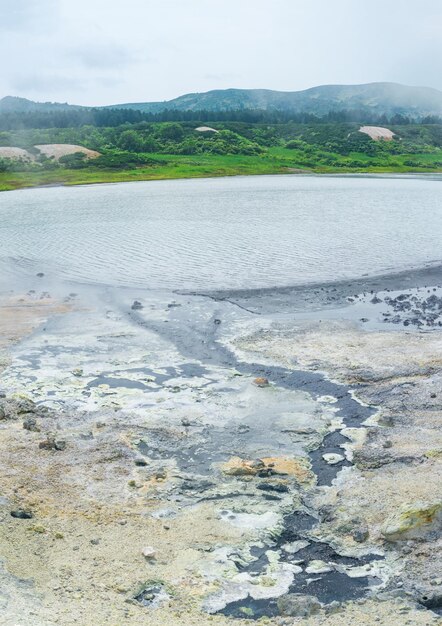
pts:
[333, 608]
[261, 382]
[318, 567]
[22, 514]
[333, 459]
[242, 467]
[296, 467]
[52, 444]
[136, 306]
[78, 371]
[30, 423]
[298, 605]
[279, 487]
[412, 520]
[360, 534]
[25, 406]
[149, 553]
[38, 528]
[40, 275]
[217, 322]
[140, 462]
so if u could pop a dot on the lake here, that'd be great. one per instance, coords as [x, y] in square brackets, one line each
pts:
[241, 232]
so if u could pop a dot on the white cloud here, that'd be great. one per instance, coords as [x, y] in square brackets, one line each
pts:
[102, 51]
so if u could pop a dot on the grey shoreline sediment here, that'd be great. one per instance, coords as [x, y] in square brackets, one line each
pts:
[324, 294]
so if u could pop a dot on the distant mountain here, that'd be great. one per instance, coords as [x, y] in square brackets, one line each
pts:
[12, 104]
[375, 98]
[380, 98]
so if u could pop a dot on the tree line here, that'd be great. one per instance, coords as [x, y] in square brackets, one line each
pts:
[109, 117]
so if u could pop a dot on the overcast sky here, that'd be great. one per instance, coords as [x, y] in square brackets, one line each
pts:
[109, 51]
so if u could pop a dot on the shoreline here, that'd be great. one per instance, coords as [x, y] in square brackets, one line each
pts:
[8, 186]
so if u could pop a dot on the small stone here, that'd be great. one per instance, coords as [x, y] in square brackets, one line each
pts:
[136, 306]
[261, 382]
[30, 423]
[37, 528]
[149, 553]
[22, 514]
[52, 444]
[140, 462]
[278, 487]
[40, 275]
[387, 444]
[360, 534]
[333, 607]
[25, 406]
[185, 422]
[298, 605]
[217, 322]
[333, 459]
[78, 371]
[318, 567]
[95, 542]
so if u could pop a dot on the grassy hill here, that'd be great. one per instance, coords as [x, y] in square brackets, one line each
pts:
[12, 104]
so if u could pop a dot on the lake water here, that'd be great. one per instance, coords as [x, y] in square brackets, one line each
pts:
[240, 232]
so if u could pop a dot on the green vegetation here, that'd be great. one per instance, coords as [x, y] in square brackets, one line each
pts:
[153, 150]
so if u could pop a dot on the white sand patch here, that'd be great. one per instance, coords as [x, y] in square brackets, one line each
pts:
[16, 154]
[206, 129]
[377, 132]
[57, 150]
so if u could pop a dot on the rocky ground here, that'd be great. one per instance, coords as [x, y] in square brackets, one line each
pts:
[175, 459]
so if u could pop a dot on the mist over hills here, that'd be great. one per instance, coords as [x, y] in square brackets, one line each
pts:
[375, 98]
